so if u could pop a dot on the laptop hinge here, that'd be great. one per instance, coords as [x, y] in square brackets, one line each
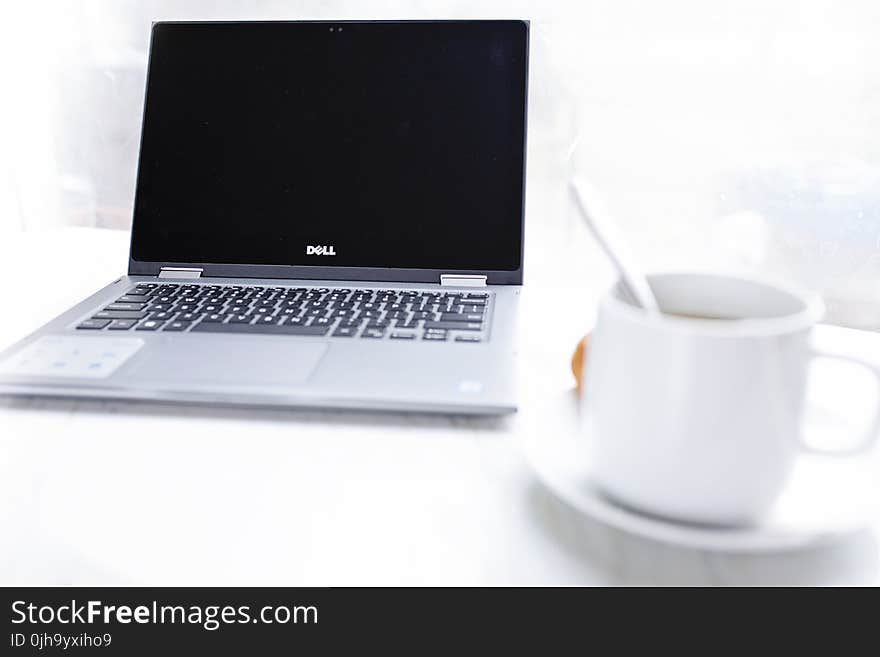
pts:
[180, 272]
[461, 280]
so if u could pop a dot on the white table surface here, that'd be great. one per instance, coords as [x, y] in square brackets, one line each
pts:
[121, 493]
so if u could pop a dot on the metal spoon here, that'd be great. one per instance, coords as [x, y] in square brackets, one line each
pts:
[634, 283]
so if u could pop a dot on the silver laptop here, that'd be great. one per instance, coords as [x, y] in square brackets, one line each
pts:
[327, 214]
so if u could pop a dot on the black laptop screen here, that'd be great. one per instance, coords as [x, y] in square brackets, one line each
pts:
[394, 145]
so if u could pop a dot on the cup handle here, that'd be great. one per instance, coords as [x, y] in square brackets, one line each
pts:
[870, 436]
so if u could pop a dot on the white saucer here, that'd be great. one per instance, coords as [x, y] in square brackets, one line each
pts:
[827, 498]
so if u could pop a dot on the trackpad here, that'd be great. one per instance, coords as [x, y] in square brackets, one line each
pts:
[230, 361]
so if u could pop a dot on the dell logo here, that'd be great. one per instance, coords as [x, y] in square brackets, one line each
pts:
[320, 250]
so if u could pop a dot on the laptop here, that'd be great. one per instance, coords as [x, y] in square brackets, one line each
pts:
[327, 214]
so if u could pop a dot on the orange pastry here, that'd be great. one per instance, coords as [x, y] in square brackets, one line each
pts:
[577, 361]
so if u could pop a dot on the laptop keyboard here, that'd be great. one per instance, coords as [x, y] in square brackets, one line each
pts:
[336, 312]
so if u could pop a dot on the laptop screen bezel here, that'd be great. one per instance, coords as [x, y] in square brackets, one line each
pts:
[316, 272]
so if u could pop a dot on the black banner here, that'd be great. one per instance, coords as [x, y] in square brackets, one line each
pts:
[264, 621]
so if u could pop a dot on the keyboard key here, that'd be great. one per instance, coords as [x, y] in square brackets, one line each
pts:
[131, 298]
[122, 324]
[345, 332]
[434, 336]
[460, 317]
[373, 333]
[148, 325]
[177, 326]
[270, 329]
[119, 314]
[403, 336]
[93, 324]
[468, 338]
[454, 326]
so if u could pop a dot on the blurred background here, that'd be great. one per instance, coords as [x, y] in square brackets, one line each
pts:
[722, 134]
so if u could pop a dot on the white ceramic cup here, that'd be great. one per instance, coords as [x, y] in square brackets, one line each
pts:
[701, 419]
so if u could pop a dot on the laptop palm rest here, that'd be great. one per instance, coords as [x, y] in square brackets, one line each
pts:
[229, 360]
